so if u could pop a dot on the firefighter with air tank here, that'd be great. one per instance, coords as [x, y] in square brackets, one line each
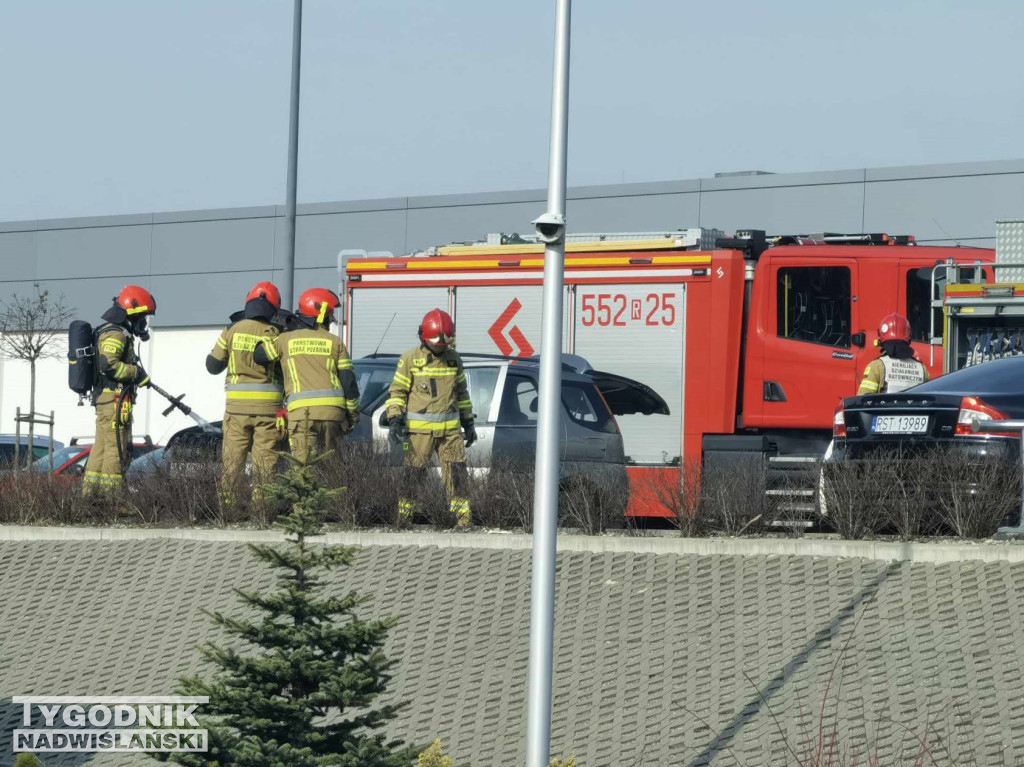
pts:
[321, 392]
[429, 410]
[896, 368]
[253, 393]
[119, 374]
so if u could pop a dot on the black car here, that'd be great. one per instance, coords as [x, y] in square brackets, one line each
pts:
[936, 418]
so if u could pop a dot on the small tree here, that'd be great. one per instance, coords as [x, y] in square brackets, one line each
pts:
[28, 327]
[304, 697]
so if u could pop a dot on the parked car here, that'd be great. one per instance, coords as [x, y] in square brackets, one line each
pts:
[40, 448]
[932, 416]
[504, 392]
[70, 461]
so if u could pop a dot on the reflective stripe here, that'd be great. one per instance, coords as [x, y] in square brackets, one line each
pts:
[431, 426]
[402, 379]
[344, 364]
[461, 378]
[433, 417]
[869, 385]
[465, 404]
[394, 401]
[260, 396]
[222, 344]
[333, 374]
[270, 350]
[253, 387]
[296, 386]
[317, 398]
[317, 402]
[434, 372]
[352, 404]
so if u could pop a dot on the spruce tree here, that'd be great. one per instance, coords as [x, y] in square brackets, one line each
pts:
[302, 693]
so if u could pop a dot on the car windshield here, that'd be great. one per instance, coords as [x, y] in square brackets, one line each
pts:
[60, 457]
[994, 376]
[373, 378]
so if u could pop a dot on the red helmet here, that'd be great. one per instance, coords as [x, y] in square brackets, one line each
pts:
[319, 303]
[135, 300]
[267, 290]
[894, 327]
[437, 328]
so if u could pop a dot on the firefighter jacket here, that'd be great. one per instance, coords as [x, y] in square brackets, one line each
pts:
[430, 389]
[116, 363]
[891, 375]
[249, 388]
[319, 381]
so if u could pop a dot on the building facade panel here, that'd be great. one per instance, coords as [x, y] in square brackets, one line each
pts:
[17, 256]
[950, 207]
[205, 246]
[318, 238]
[96, 251]
[785, 209]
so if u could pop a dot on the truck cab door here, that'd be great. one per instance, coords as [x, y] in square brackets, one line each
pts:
[812, 348]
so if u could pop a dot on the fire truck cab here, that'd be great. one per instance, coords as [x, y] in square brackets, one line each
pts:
[751, 340]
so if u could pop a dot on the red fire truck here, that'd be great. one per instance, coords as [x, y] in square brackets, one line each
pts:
[752, 341]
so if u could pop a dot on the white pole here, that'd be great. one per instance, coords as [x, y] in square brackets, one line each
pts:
[551, 229]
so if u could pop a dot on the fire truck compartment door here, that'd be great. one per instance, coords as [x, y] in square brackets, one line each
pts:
[385, 319]
[810, 362]
[634, 331]
[628, 397]
[500, 319]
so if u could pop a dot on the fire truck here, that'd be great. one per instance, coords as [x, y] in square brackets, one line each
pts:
[751, 340]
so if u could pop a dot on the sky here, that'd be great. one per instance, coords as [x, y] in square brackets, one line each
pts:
[130, 106]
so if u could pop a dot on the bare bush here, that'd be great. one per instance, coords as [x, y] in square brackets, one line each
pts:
[184, 494]
[972, 497]
[34, 498]
[502, 496]
[677, 490]
[373, 480]
[854, 501]
[592, 502]
[732, 496]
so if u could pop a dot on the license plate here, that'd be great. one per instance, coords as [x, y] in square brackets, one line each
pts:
[899, 424]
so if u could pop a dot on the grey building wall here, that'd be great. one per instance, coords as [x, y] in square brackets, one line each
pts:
[200, 263]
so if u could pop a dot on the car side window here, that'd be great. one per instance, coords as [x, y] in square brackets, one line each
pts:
[519, 402]
[814, 304]
[480, 382]
[585, 406]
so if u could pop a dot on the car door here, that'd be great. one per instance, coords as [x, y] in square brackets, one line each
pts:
[515, 435]
[810, 362]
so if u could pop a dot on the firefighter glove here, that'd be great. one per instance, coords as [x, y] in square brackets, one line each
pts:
[397, 428]
[281, 419]
[470, 432]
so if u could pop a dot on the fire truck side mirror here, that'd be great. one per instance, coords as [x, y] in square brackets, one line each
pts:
[550, 228]
[859, 339]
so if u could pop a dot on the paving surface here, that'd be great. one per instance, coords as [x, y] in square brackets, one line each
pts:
[668, 659]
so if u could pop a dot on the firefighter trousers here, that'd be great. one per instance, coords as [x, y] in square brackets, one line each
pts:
[309, 438]
[419, 451]
[104, 470]
[243, 434]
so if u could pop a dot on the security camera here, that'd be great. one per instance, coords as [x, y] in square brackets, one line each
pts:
[550, 228]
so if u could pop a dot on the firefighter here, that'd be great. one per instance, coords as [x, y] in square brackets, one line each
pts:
[321, 393]
[119, 374]
[896, 368]
[252, 392]
[428, 411]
